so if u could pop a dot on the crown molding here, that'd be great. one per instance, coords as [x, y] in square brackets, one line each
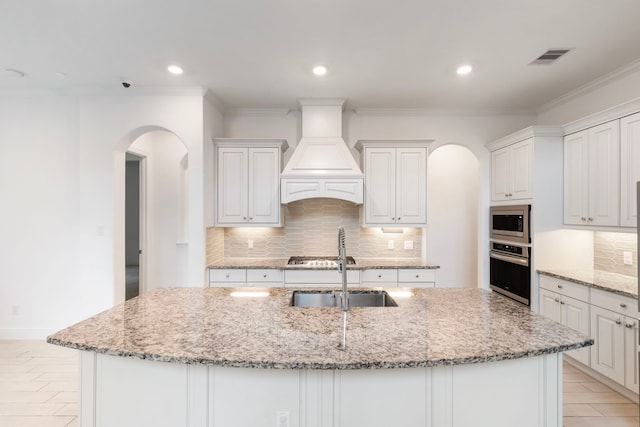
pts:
[526, 133]
[214, 100]
[422, 112]
[591, 86]
[257, 112]
[613, 113]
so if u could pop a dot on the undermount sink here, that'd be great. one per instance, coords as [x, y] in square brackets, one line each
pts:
[333, 299]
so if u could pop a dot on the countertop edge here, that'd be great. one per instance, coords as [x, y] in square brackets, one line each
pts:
[589, 284]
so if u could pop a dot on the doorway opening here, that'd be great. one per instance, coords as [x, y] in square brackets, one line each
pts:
[134, 225]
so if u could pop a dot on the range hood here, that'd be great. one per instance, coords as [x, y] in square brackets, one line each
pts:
[321, 164]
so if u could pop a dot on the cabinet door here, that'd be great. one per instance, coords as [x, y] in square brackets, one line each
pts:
[631, 354]
[575, 314]
[500, 174]
[232, 185]
[607, 354]
[550, 305]
[629, 168]
[520, 168]
[380, 188]
[576, 185]
[264, 186]
[604, 175]
[411, 185]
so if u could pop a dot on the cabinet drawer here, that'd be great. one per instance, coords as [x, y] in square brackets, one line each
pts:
[319, 277]
[228, 275]
[563, 287]
[264, 275]
[411, 275]
[380, 275]
[614, 302]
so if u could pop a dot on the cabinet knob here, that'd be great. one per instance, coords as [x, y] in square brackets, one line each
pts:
[623, 305]
[590, 219]
[393, 219]
[264, 275]
[559, 286]
[562, 302]
[399, 218]
[583, 218]
[227, 276]
[557, 300]
[417, 276]
[629, 325]
[250, 218]
[618, 322]
[379, 276]
[244, 217]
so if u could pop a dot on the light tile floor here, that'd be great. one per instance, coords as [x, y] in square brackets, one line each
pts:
[39, 383]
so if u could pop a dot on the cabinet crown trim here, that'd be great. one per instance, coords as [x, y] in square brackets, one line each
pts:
[251, 142]
[526, 133]
[417, 142]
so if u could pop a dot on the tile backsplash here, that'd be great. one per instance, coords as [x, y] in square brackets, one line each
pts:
[608, 249]
[311, 228]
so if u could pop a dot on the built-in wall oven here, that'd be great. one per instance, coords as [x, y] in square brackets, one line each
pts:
[510, 252]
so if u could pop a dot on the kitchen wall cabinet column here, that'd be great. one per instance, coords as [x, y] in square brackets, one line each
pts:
[591, 176]
[395, 181]
[248, 182]
[629, 168]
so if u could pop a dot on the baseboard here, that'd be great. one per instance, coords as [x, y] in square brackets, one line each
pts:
[25, 333]
[601, 378]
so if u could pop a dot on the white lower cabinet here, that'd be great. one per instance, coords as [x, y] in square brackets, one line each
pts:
[569, 311]
[610, 319]
[607, 354]
[239, 277]
[319, 278]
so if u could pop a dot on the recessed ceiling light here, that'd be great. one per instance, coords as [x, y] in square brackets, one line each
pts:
[319, 70]
[464, 69]
[61, 75]
[175, 69]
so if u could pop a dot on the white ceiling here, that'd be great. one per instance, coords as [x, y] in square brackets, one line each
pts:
[380, 54]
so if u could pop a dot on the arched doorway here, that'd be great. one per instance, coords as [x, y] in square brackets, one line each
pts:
[160, 221]
[453, 181]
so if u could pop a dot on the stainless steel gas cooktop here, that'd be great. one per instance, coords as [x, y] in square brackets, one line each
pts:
[318, 261]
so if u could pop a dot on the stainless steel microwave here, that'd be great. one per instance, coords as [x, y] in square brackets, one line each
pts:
[510, 223]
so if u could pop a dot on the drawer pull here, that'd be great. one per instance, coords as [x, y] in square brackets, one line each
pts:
[629, 325]
[623, 305]
[618, 322]
[562, 302]
[560, 286]
[557, 300]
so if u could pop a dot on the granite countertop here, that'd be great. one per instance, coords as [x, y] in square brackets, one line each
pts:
[612, 282]
[209, 326]
[361, 264]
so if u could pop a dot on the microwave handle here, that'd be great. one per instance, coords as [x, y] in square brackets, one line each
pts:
[513, 260]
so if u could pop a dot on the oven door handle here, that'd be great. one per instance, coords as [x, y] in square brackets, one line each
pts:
[513, 260]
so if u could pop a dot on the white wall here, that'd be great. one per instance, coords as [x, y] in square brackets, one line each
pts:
[62, 177]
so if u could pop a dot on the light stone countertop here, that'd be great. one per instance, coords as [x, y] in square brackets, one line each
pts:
[612, 282]
[361, 264]
[209, 326]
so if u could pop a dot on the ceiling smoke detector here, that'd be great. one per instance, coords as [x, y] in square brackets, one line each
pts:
[550, 56]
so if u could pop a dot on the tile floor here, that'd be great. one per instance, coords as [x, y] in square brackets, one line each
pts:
[39, 381]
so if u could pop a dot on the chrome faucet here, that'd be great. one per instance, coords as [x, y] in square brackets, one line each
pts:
[342, 268]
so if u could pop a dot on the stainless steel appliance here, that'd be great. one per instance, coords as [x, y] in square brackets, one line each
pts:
[510, 270]
[318, 261]
[510, 223]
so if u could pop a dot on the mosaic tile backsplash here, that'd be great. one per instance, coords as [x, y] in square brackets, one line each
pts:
[608, 251]
[311, 228]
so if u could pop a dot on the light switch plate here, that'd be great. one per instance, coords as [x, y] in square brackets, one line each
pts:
[408, 244]
[390, 244]
[627, 258]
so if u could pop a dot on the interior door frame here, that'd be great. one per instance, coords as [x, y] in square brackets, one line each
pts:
[142, 245]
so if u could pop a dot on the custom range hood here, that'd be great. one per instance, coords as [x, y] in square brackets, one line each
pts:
[321, 164]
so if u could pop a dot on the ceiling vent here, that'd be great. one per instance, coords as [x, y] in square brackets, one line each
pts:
[550, 56]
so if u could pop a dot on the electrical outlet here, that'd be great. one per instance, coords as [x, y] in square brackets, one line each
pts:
[250, 244]
[390, 244]
[408, 244]
[627, 258]
[282, 419]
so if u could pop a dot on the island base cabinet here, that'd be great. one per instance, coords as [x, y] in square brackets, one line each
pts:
[126, 392]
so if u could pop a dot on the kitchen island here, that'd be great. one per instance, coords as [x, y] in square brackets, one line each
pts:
[206, 357]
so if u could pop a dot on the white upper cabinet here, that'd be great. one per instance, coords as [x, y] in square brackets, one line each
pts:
[511, 168]
[395, 181]
[629, 168]
[248, 182]
[592, 176]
